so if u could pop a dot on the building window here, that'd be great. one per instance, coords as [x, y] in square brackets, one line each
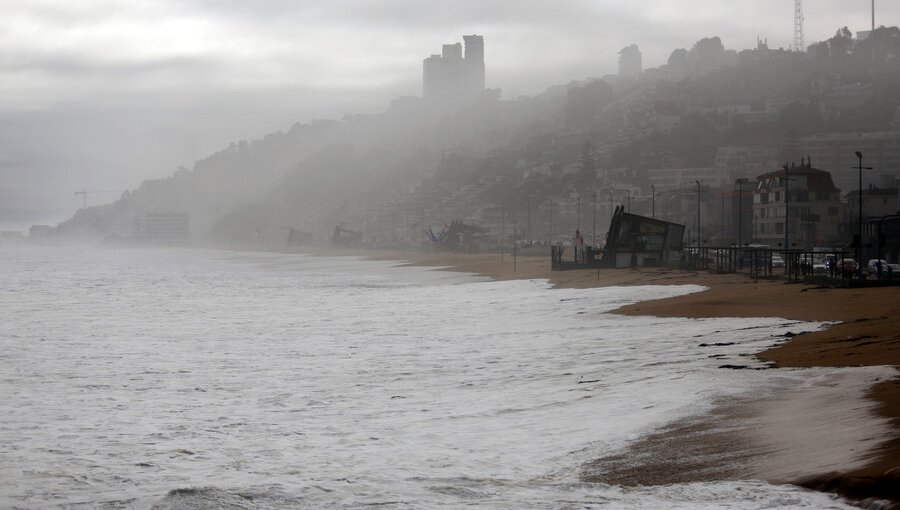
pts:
[779, 228]
[832, 211]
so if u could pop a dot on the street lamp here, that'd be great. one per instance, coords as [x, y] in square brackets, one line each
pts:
[612, 199]
[787, 209]
[859, 197]
[578, 212]
[653, 201]
[627, 200]
[740, 183]
[698, 217]
[594, 232]
[528, 219]
[550, 222]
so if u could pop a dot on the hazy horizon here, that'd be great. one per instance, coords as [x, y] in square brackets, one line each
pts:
[102, 95]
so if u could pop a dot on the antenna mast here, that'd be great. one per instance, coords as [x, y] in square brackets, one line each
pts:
[798, 25]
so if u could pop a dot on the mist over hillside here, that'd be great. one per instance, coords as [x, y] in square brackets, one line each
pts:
[506, 164]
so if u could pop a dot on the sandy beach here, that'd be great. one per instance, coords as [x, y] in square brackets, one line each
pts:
[840, 436]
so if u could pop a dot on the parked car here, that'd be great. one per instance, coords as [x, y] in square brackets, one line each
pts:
[777, 261]
[888, 270]
[820, 266]
[849, 266]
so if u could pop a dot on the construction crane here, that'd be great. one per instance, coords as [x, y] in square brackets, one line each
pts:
[84, 194]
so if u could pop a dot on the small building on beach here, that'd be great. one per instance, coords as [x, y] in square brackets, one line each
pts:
[639, 241]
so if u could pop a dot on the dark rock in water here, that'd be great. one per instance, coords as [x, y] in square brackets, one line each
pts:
[209, 498]
[201, 498]
[744, 367]
[878, 491]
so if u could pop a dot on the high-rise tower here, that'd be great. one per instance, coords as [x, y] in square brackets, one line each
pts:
[630, 61]
[474, 63]
[451, 78]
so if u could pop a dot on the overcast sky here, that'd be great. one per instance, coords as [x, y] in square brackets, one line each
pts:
[102, 94]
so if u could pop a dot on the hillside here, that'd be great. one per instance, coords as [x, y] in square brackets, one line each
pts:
[510, 165]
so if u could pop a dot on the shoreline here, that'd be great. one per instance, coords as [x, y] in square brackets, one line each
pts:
[864, 332]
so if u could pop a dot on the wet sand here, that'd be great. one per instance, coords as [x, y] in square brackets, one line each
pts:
[839, 436]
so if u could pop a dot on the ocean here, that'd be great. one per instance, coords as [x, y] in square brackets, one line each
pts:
[187, 378]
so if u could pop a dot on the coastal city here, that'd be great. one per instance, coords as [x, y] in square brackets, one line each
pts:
[802, 157]
[410, 255]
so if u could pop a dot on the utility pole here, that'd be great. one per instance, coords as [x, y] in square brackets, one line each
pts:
[787, 209]
[578, 213]
[653, 201]
[860, 198]
[502, 231]
[550, 215]
[698, 218]
[724, 228]
[740, 183]
[594, 232]
[528, 219]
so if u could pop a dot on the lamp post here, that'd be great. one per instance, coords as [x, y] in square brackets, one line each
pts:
[502, 231]
[724, 225]
[612, 199]
[787, 210]
[594, 231]
[859, 197]
[578, 212]
[740, 183]
[528, 219]
[653, 201]
[550, 222]
[698, 217]
[627, 200]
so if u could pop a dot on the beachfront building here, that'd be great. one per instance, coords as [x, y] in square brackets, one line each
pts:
[799, 205]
